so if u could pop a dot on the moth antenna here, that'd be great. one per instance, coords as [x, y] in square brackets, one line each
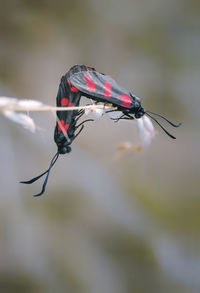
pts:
[163, 117]
[165, 130]
[54, 159]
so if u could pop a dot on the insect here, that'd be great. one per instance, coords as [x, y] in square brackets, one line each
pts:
[80, 81]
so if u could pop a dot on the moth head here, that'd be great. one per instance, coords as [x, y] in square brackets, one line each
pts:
[138, 111]
[64, 150]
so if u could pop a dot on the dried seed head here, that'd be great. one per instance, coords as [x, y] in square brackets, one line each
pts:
[96, 113]
[7, 102]
[21, 119]
[29, 104]
[146, 131]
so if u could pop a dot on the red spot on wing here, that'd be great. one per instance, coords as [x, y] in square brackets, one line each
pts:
[74, 89]
[108, 88]
[66, 126]
[60, 125]
[126, 101]
[63, 127]
[91, 86]
[64, 102]
[70, 105]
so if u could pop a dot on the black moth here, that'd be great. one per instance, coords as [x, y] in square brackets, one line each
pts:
[85, 81]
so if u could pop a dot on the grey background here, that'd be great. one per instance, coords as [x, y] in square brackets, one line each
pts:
[104, 225]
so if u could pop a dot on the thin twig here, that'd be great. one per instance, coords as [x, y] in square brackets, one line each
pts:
[51, 108]
[10, 106]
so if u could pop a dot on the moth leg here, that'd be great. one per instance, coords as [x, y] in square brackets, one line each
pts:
[126, 118]
[79, 132]
[109, 111]
[82, 126]
[87, 120]
[117, 119]
[123, 117]
[80, 114]
[130, 117]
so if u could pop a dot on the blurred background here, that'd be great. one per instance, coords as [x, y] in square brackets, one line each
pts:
[103, 225]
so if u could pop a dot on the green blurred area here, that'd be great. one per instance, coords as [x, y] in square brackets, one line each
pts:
[103, 226]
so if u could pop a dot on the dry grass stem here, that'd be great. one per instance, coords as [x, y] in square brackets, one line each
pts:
[15, 104]
[10, 107]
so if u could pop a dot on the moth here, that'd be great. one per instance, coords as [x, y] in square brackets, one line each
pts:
[82, 80]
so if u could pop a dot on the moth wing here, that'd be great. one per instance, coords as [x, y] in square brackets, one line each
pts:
[99, 86]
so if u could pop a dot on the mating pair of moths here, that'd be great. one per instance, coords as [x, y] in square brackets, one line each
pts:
[85, 81]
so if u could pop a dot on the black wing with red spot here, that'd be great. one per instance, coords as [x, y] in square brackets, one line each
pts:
[102, 88]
